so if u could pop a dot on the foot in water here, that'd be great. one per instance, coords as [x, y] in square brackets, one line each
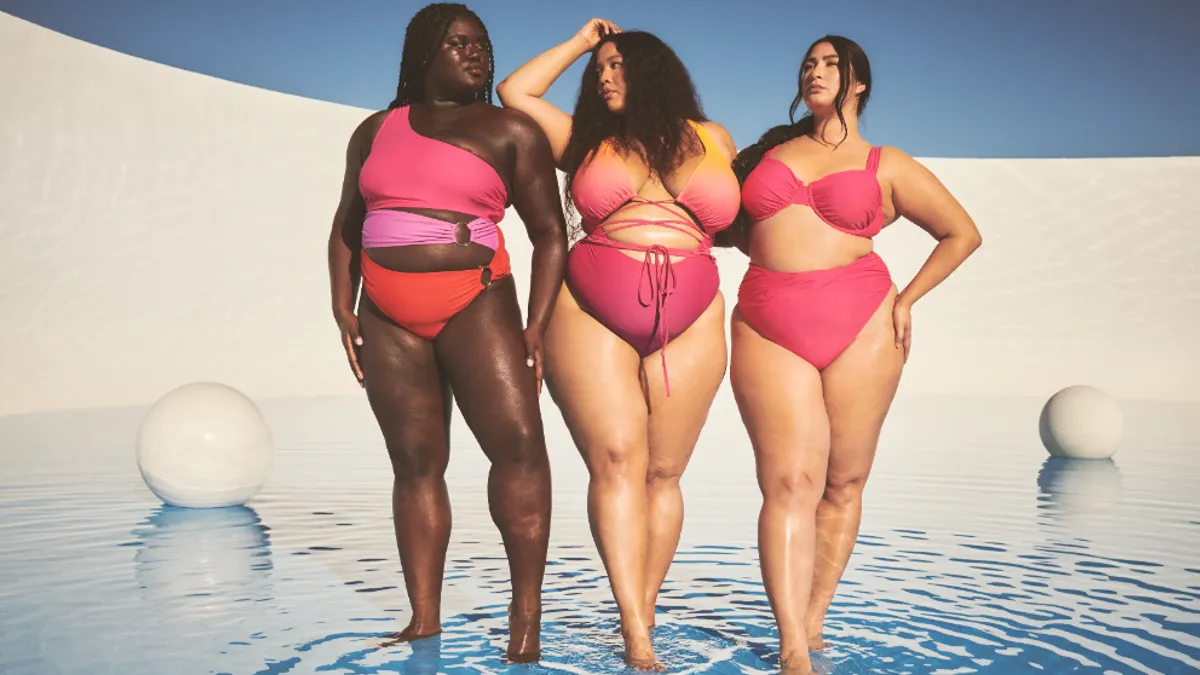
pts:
[639, 653]
[524, 642]
[822, 664]
[796, 663]
[816, 636]
[817, 664]
[417, 629]
[793, 668]
[650, 664]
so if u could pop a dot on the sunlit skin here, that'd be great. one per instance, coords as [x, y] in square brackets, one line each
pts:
[815, 432]
[635, 441]
[484, 360]
[612, 79]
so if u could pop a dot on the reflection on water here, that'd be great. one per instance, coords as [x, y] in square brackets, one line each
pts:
[198, 561]
[1072, 491]
[424, 658]
[1007, 563]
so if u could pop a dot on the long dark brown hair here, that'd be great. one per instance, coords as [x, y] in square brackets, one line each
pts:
[659, 99]
[853, 67]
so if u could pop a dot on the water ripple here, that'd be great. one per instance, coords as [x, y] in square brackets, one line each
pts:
[1046, 567]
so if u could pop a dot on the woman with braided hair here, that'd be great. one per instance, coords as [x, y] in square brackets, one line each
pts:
[426, 182]
[651, 178]
[820, 334]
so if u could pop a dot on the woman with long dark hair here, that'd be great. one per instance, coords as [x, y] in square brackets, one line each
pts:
[426, 182]
[650, 177]
[820, 333]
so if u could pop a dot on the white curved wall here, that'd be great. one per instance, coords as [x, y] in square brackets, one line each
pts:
[158, 226]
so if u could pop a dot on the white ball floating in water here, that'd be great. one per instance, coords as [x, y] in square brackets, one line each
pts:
[1082, 422]
[204, 445]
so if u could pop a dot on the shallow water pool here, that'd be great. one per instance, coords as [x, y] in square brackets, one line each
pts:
[977, 555]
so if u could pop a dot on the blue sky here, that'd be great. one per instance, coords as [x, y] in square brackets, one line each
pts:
[953, 78]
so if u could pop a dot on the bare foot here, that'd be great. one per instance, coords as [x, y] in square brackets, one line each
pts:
[416, 630]
[639, 652]
[644, 664]
[795, 668]
[524, 642]
[821, 664]
[815, 633]
[797, 664]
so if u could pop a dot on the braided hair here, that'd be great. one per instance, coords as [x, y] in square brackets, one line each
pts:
[852, 66]
[422, 39]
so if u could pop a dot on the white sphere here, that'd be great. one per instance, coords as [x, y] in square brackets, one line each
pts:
[1082, 422]
[204, 445]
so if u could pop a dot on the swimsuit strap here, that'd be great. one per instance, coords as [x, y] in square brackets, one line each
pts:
[658, 270]
[658, 275]
[601, 237]
[873, 159]
[678, 223]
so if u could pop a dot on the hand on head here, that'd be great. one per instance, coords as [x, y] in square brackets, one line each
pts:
[595, 30]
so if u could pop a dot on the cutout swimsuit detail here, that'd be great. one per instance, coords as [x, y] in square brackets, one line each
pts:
[645, 303]
[407, 170]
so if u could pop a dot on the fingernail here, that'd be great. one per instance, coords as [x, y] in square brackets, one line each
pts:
[358, 341]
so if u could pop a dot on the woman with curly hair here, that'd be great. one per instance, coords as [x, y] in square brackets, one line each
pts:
[652, 181]
[426, 182]
[820, 333]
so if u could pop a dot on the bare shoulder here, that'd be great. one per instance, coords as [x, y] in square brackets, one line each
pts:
[372, 122]
[721, 134]
[375, 118]
[521, 129]
[897, 166]
[893, 159]
[364, 134]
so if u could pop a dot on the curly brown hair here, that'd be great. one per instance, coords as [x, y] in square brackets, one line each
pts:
[659, 99]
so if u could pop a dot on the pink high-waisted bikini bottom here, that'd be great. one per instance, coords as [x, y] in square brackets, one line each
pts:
[815, 315]
[644, 302]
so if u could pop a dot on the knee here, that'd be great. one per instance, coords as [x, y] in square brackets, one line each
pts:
[659, 477]
[799, 488]
[844, 490]
[418, 460]
[521, 444]
[618, 461]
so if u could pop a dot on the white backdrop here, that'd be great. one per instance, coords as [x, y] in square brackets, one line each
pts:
[158, 227]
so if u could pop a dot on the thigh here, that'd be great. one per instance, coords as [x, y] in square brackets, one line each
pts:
[482, 352]
[781, 402]
[408, 393]
[696, 361]
[859, 387]
[593, 377]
